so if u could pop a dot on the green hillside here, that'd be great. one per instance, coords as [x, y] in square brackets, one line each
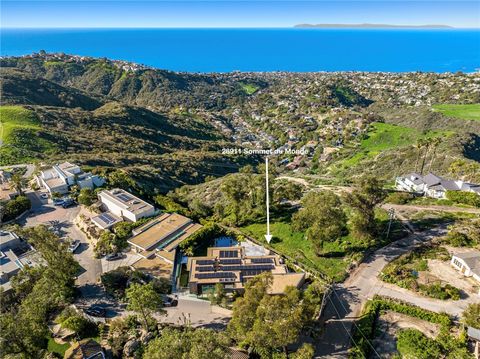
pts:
[466, 112]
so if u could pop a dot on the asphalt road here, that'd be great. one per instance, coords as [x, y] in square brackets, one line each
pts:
[347, 299]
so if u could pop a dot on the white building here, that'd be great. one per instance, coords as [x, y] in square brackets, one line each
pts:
[15, 254]
[125, 205]
[468, 264]
[433, 186]
[59, 178]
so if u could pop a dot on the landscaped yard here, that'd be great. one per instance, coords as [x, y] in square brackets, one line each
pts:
[337, 255]
[54, 347]
[293, 244]
[465, 112]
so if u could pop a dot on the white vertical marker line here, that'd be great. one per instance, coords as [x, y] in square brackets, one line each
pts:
[268, 236]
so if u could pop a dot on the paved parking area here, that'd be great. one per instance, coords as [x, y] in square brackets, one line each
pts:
[61, 219]
[127, 260]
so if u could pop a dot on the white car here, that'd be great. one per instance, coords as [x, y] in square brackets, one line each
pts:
[44, 196]
[74, 245]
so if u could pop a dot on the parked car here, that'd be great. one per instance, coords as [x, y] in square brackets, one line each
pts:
[68, 203]
[58, 202]
[113, 256]
[95, 311]
[44, 196]
[169, 301]
[74, 245]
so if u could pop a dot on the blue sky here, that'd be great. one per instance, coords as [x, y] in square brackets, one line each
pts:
[230, 13]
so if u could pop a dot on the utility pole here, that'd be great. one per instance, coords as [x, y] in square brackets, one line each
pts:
[391, 216]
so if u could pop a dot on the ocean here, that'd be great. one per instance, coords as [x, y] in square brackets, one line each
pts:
[288, 49]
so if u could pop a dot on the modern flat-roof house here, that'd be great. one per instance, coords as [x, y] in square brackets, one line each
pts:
[432, 185]
[157, 242]
[468, 264]
[60, 177]
[231, 267]
[125, 205]
[15, 254]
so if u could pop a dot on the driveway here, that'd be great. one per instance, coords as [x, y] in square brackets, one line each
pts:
[61, 219]
[347, 299]
[197, 312]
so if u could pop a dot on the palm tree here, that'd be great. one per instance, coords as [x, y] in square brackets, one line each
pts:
[426, 143]
[435, 142]
[18, 182]
[419, 146]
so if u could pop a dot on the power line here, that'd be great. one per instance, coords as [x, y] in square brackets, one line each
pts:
[355, 324]
[343, 325]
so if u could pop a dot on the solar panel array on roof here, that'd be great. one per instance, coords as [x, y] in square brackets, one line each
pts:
[215, 275]
[248, 267]
[261, 260]
[124, 197]
[230, 261]
[203, 262]
[204, 269]
[228, 254]
[251, 273]
[108, 219]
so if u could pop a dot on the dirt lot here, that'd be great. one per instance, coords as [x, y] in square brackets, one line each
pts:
[390, 323]
[445, 272]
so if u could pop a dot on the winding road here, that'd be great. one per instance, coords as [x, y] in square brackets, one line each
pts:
[345, 303]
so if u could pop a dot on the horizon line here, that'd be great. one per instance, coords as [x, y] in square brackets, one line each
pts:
[293, 27]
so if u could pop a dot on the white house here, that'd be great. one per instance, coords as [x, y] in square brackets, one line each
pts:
[468, 264]
[15, 254]
[59, 178]
[432, 185]
[126, 205]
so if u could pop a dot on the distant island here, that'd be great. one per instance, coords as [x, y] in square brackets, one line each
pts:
[373, 26]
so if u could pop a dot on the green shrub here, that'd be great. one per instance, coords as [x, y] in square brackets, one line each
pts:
[462, 197]
[16, 207]
[86, 197]
[412, 343]
[399, 197]
[458, 239]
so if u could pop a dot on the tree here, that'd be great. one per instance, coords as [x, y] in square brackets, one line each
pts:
[322, 217]
[188, 343]
[368, 193]
[86, 197]
[306, 351]
[471, 315]
[426, 143]
[15, 207]
[287, 190]
[18, 182]
[435, 143]
[24, 327]
[144, 300]
[265, 322]
[217, 296]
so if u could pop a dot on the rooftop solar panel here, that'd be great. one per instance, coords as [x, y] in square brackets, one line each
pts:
[215, 275]
[124, 197]
[261, 260]
[230, 261]
[203, 262]
[228, 254]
